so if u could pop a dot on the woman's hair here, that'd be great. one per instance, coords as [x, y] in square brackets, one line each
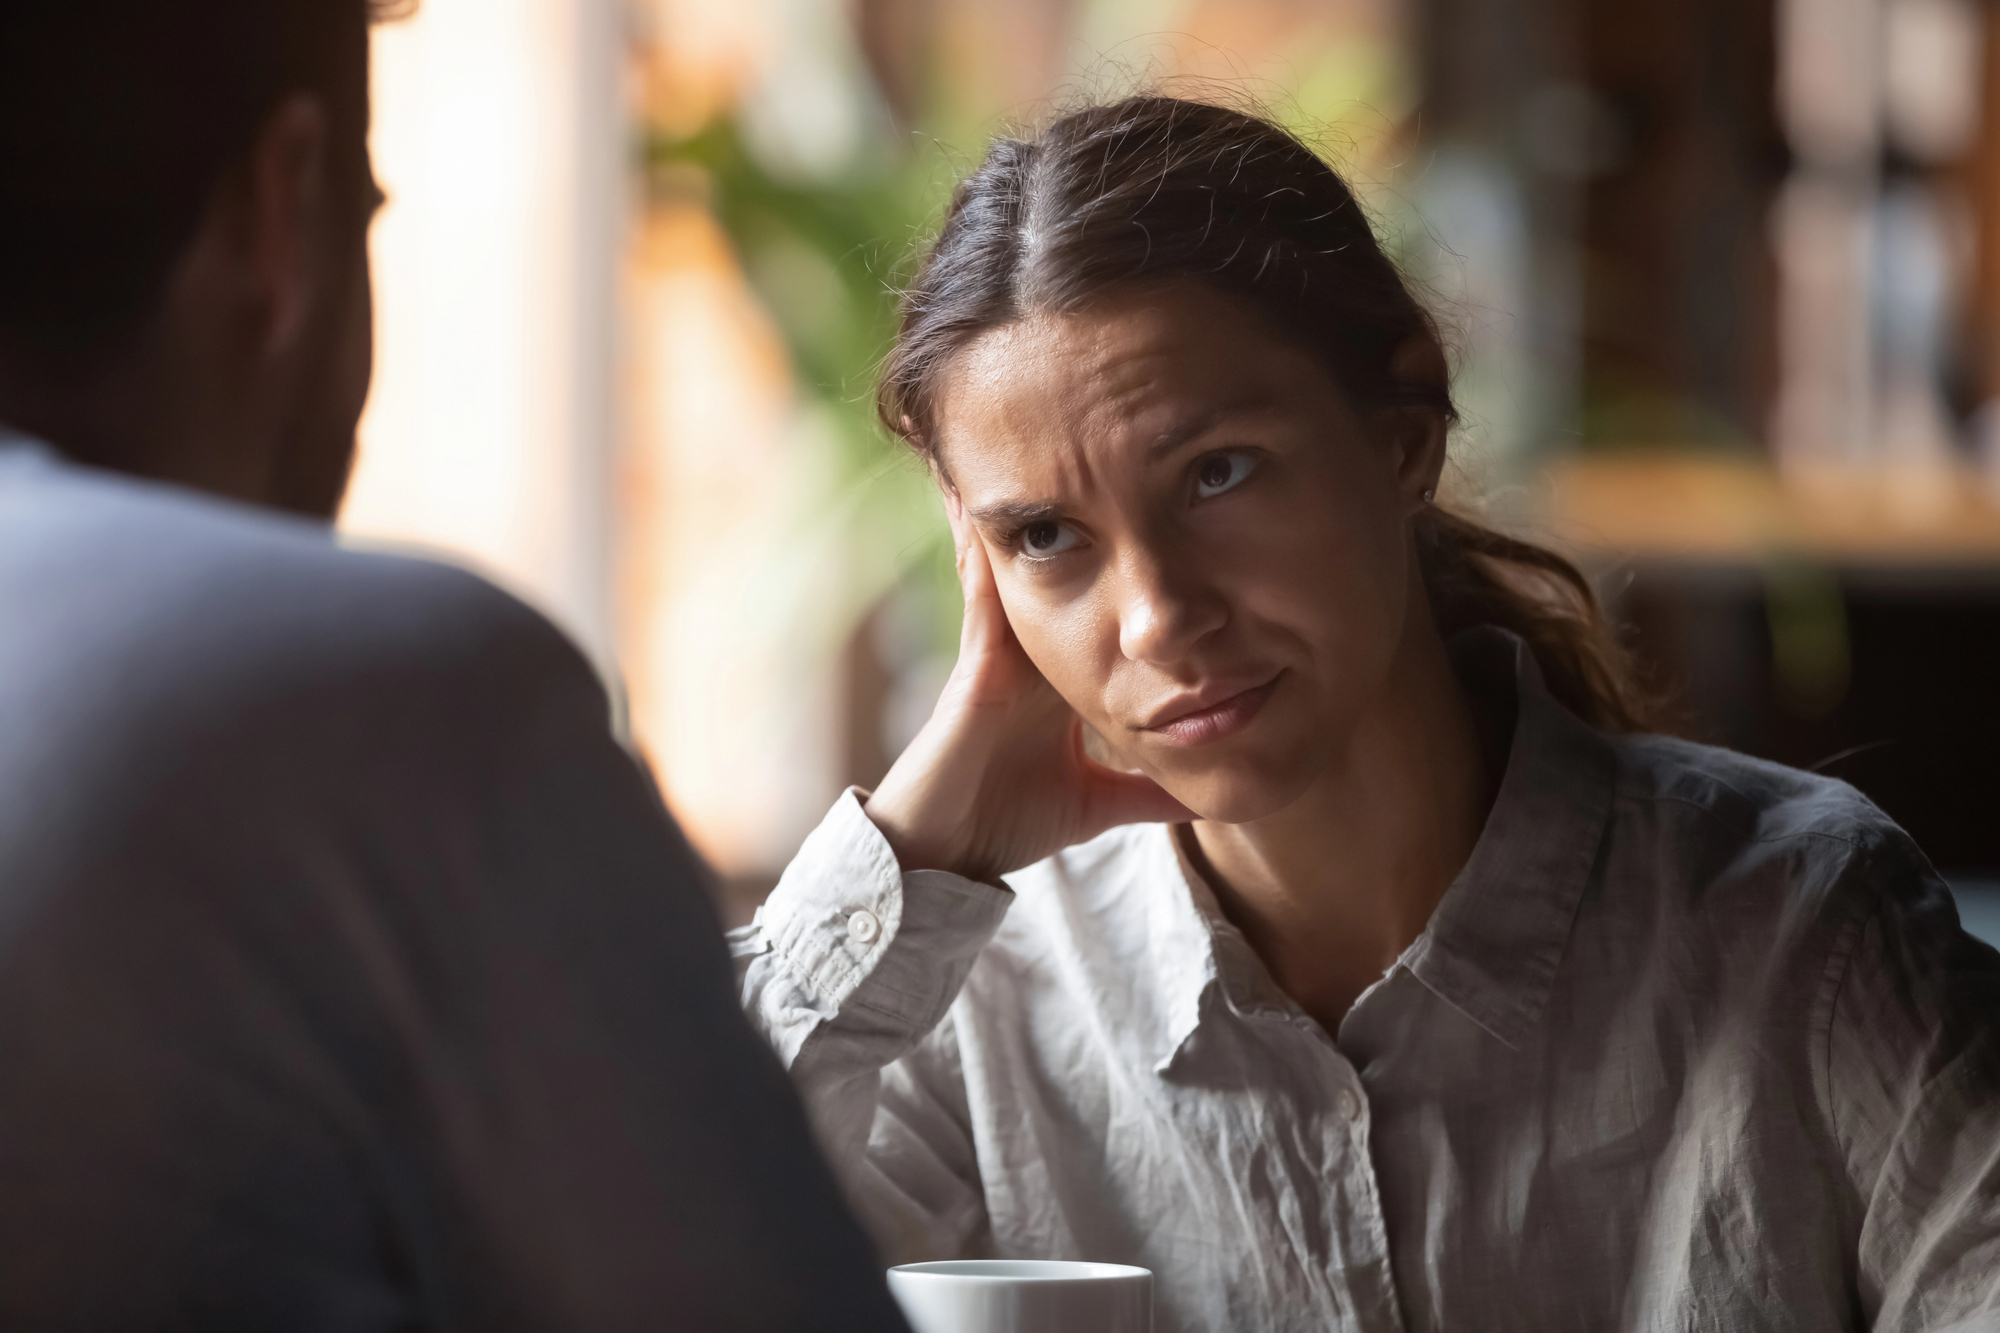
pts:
[1154, 188]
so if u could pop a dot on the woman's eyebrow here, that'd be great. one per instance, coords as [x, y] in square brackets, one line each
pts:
[1016, 513]
[1198, 425]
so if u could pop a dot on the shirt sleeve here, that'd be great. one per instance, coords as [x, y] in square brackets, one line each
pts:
[850, 971]
[1913, 1080]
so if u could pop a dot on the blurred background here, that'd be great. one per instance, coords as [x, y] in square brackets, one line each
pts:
[1721, 278]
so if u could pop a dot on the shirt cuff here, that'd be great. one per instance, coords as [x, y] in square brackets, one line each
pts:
[853, 926]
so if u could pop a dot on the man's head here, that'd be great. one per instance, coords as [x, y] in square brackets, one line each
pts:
[184, 198]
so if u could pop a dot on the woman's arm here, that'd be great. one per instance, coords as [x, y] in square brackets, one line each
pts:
[867, 939]
[850, 970]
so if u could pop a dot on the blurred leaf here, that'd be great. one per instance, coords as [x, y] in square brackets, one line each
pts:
[828, 260]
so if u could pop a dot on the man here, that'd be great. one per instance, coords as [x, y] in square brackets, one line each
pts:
[351, 975]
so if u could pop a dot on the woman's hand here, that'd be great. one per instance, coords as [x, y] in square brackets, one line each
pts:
[998, 778]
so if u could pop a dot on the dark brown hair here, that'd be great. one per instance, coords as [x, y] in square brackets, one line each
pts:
[1156, 188]
[119, 118]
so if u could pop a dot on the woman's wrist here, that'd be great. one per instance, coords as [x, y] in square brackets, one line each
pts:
[904, 830]
[918, 807]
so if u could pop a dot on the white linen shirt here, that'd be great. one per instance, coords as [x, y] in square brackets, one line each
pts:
[1693, 1042]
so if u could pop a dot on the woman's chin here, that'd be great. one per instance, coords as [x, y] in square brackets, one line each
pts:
[1239, 793]
[1241, 778]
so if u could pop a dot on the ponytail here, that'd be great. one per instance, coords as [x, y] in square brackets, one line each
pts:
[1476, 576]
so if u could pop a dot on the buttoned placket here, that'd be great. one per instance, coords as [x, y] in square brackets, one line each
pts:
[1346, 1139]
[1249, 991]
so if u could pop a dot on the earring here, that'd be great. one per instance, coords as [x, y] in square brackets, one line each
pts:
[1430, 494]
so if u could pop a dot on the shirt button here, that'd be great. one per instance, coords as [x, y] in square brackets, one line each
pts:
[1348, 1104]
[864, 926]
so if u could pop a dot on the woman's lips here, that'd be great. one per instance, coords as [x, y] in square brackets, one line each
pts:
[1212, 722]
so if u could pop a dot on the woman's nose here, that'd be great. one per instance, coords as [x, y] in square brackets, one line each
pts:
[1165, 608]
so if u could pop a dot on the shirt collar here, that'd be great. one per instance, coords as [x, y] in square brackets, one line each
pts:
[1494, 943]
[1202, 958]
[1186, 942]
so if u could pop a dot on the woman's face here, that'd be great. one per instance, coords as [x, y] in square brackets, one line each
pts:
[1197, 542]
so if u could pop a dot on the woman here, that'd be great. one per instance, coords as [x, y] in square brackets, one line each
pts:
[1386, 976]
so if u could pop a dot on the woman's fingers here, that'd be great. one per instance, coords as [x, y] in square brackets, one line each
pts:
[985, 630]
[954, 516]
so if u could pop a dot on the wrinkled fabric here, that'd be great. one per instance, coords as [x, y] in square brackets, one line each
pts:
[352, 977]
[1692, 1042]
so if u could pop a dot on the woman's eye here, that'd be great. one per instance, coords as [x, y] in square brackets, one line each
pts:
[1220, 473]
[1047, 538]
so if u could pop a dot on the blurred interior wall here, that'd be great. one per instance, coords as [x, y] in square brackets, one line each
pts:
[726, 579]
[500, 138]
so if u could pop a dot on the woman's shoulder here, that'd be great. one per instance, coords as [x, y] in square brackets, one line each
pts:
[1738, 837]
[1742, 797]
[1791, 903]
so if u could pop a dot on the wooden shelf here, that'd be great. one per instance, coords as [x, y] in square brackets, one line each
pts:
[1718, 508]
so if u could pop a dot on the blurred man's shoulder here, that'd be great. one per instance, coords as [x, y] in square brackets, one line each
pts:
[116, 587]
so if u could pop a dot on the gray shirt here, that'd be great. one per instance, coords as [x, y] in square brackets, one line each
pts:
[352, 977]
[1693, 1042]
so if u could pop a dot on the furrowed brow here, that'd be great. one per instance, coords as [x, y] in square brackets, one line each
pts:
[1175, 436]
[1016, 513]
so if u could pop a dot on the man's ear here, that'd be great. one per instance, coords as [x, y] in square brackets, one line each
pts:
[288, 215]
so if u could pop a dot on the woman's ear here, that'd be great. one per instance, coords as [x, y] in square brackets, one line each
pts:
[1419, 432]
[1420, 436]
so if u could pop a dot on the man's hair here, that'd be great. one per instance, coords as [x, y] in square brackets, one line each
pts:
[119, 119]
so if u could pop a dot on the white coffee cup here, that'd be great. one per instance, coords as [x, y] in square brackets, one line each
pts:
[1023, 1296]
